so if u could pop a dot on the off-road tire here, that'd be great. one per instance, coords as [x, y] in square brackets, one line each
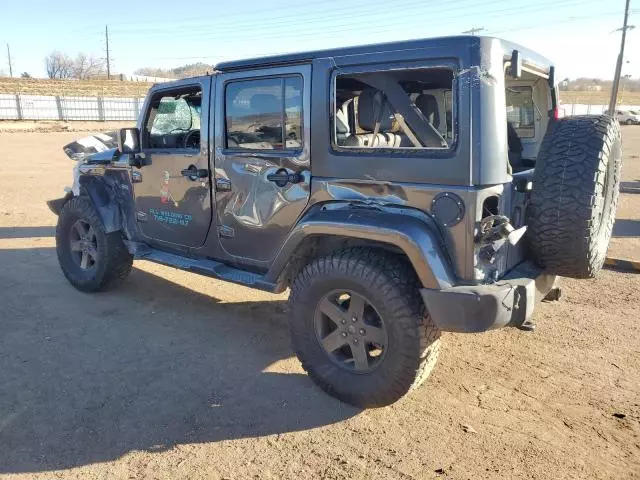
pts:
[113, 262]
[575, 193]
[390, 284]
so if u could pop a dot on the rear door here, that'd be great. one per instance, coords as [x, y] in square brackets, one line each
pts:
[262, 169]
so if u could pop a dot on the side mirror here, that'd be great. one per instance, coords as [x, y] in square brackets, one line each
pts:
[129, 140]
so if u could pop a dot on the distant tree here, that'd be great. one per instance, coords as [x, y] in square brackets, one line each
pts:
[58, 65]
[190, 70]
[25, 75]
[155, 72]
[87, 66]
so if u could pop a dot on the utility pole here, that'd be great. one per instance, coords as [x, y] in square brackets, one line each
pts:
[474, 30]
[616, 77]
[9, 57]
[106, 37]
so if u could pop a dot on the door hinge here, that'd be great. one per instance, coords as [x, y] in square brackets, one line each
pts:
[223, 185]
[225, 232]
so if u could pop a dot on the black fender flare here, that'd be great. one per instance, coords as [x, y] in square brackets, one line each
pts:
[417, 237]
[56, 205]
[104, 201]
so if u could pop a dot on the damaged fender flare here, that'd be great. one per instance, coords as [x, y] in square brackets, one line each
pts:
[103, 200]
[56, 205]
[414, 236]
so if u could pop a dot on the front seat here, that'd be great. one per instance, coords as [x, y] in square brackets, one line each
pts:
[343, 132]
[373, 107]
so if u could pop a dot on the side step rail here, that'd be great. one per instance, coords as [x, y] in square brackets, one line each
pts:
[209, 268]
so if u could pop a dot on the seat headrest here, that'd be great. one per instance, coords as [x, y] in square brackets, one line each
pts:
[428, 105]
[371, 106]
[265, 103]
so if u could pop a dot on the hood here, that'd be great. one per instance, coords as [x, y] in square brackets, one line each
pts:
[99, 147]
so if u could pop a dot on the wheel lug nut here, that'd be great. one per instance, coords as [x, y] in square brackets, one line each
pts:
[354, 319]
[362, 331]
[355, 340]
[343, 321]
[344, 334]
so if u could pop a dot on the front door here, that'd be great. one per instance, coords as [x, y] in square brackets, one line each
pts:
[262, 169]
[172, 188]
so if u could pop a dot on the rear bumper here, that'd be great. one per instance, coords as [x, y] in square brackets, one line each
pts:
[477, 308]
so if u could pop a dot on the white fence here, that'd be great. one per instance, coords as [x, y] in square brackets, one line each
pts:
[44, 107]
[49, 107]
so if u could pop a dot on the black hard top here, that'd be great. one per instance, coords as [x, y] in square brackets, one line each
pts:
[459, 42]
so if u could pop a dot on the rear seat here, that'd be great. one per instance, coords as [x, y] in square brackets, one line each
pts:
[373, 106]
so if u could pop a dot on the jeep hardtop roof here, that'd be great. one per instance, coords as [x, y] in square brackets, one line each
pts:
[453, 46]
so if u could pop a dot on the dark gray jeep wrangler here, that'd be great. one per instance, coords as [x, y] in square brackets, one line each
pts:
[399, 190]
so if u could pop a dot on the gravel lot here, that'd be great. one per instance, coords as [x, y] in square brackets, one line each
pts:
[180, 376]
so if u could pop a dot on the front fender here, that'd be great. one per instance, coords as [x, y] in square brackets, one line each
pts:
[104, 201]
[417, 237]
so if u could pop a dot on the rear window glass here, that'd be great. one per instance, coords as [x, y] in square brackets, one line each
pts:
[520, 110]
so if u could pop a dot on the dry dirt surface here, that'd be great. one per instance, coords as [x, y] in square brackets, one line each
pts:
[176, 376]
[45, 126]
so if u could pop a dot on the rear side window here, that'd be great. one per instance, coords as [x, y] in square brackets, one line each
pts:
[408, 109]
[264, 114]
[520, 110]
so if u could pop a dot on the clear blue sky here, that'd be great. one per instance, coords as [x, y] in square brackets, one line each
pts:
[575, 34]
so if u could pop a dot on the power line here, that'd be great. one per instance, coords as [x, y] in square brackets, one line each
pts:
[517, 28]
[221, 36]
[324, 15]
[342, 20]
[386, 26]
[559, 22]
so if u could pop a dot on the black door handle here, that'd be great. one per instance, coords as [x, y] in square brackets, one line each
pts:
[195, 173]
[282, 177]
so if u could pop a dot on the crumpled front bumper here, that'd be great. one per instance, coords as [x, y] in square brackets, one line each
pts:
[476, 308]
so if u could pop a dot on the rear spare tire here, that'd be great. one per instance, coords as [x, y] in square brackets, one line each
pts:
[575, 194]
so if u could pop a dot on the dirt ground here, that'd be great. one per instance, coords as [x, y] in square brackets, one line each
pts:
[179, 376]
